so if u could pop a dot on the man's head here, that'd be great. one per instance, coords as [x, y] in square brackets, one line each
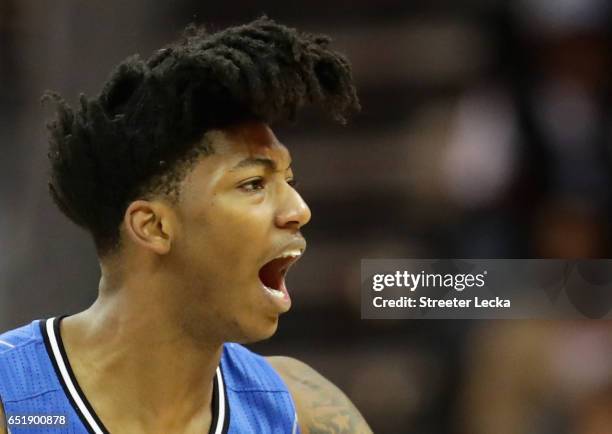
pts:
[144, 132]
[226, 244]
[175, 167]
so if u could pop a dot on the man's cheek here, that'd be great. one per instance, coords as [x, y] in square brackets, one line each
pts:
[241, 230]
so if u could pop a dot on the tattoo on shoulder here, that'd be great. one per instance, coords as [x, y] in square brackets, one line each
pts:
[329, 410]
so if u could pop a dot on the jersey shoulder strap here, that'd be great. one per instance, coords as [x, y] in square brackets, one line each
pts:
[30, 389]
[25, 368]
[258, 398]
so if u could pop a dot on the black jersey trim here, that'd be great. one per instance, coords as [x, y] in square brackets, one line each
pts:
[57, 354]
[215, 406]
[220, 405]
[226, 422]
[58, 373]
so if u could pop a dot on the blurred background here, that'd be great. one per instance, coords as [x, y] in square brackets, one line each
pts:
[486, 132]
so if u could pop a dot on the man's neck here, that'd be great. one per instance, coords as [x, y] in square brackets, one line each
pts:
[138, 369]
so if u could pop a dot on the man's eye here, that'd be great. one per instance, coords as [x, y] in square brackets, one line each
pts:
[253, 185]
[292, 182]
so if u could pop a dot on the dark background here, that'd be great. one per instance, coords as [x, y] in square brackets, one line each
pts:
[485, 133]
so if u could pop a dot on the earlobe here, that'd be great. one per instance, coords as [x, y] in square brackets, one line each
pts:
[148, 225]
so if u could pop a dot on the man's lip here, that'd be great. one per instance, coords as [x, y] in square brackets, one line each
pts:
[297, 244]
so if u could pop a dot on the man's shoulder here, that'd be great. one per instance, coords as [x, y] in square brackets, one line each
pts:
[301, 379]
[24, 369]
[289, 366]
[244, 370]
[322, 407]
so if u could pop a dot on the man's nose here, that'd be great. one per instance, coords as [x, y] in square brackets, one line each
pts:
[294, 213]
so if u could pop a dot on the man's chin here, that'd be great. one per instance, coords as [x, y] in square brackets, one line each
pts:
[259, 332]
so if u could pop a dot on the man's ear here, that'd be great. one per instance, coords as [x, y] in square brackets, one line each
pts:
[150, 224]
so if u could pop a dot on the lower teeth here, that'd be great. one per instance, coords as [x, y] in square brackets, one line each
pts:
[274, 292]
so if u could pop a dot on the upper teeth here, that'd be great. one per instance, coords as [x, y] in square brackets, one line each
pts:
[290, 254]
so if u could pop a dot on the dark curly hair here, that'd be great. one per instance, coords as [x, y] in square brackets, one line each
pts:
[138, 136]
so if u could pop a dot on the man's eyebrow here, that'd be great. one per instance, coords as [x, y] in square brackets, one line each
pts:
[268, 163]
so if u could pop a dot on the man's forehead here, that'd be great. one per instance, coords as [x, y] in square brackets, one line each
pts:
[252, 132]
[249, 142]
[246, 147]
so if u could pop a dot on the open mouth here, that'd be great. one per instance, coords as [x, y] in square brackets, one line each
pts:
[272, 275]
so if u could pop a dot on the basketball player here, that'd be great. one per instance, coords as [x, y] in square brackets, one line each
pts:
[190, 199]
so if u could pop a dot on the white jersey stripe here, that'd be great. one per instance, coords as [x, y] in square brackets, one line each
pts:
[221, 409]
[295, 424]
[66, 378]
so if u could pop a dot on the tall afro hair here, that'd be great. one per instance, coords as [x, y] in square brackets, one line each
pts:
[149, 120]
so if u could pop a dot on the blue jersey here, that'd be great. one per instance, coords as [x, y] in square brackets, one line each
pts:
[42, 396]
